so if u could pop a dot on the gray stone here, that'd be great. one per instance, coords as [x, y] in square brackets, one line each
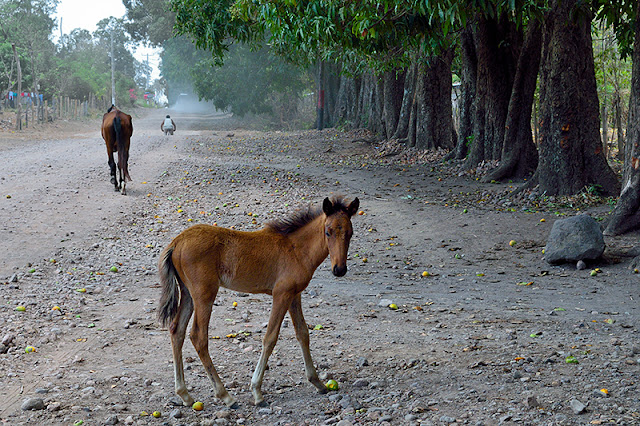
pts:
[7, 339]
[385, 302]
[175, 413]
[362, 362]
[361, 383]
[531, 402]
[33, 404]
[577, 407]
[447, 419]
[573, 239]
[112, 420]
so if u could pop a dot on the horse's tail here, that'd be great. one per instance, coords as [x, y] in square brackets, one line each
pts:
[123, 153]
[172, 286]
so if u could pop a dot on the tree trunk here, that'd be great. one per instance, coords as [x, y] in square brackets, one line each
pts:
[347, 102]
[571, 154]
[519, 154]
[19, 95]
[393, 84]
[369, 112]
[497, 47]
[433, 111]
[625, 216]
[402, 129]
[320, 96]
[469, 75]
[619, 129]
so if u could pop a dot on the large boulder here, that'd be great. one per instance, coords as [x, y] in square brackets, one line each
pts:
[573, 239]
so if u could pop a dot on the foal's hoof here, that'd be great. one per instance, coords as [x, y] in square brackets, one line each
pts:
[262, 403]
[323, 390]
[234, 406]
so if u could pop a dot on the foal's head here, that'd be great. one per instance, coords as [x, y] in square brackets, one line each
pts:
[338, 231]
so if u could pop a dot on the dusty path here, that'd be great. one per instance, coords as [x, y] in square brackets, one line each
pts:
[468, 344]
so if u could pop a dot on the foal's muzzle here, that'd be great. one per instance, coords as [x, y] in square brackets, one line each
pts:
[339, 271]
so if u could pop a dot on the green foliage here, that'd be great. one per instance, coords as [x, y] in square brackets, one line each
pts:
[149, 21]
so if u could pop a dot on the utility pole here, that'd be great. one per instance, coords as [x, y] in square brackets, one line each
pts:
[113, 71]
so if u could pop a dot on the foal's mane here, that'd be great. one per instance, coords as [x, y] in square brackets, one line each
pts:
[300, 218]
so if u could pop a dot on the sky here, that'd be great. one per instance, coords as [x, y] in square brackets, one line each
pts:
[83, 14]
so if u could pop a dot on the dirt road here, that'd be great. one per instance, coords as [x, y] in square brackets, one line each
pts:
[483, 339]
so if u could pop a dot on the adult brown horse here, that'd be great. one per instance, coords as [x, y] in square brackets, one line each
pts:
[279, 260]
[116, 132]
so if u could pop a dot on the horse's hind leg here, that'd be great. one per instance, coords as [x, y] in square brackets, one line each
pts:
[200, 339]
[302, 334]
[112, 166]
[177, 331]
[123, 182]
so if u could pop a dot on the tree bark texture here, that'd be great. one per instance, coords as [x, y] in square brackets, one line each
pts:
[626, 214]
[393, 90]
[408, 98]
[497, 47]
[519, 154]
[468, 77]
[346, 108]
[433, 120]
[571, 155]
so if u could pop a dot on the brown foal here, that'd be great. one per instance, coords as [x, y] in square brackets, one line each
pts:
[279, 260]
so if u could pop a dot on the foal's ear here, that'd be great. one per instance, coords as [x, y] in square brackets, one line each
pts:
[327, 207]
[353, 207]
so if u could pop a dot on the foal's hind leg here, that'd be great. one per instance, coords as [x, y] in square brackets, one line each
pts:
[200, 339]
[302, 334]
[177, 331]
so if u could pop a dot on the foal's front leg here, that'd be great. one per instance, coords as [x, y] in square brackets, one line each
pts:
[302, 334]
[281, 303]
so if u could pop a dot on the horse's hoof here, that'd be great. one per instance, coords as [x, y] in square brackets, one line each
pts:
[323, 391]
[234, 406]
[262, 403]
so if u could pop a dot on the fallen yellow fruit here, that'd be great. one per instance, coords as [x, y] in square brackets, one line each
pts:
[235, 304]
[512, 243]
[21, 308]
[332, 385]
[198, 406]
[29, 349]
[393, 306]
[156, 414]
[426, 274]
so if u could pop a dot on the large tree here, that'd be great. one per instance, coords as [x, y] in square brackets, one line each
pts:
[626, 215]
[571, 154]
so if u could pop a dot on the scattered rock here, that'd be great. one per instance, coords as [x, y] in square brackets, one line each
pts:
[577, 407]
[33, 404]
[111, 420]
[362, 362]
[360, 383]
[573, 239]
